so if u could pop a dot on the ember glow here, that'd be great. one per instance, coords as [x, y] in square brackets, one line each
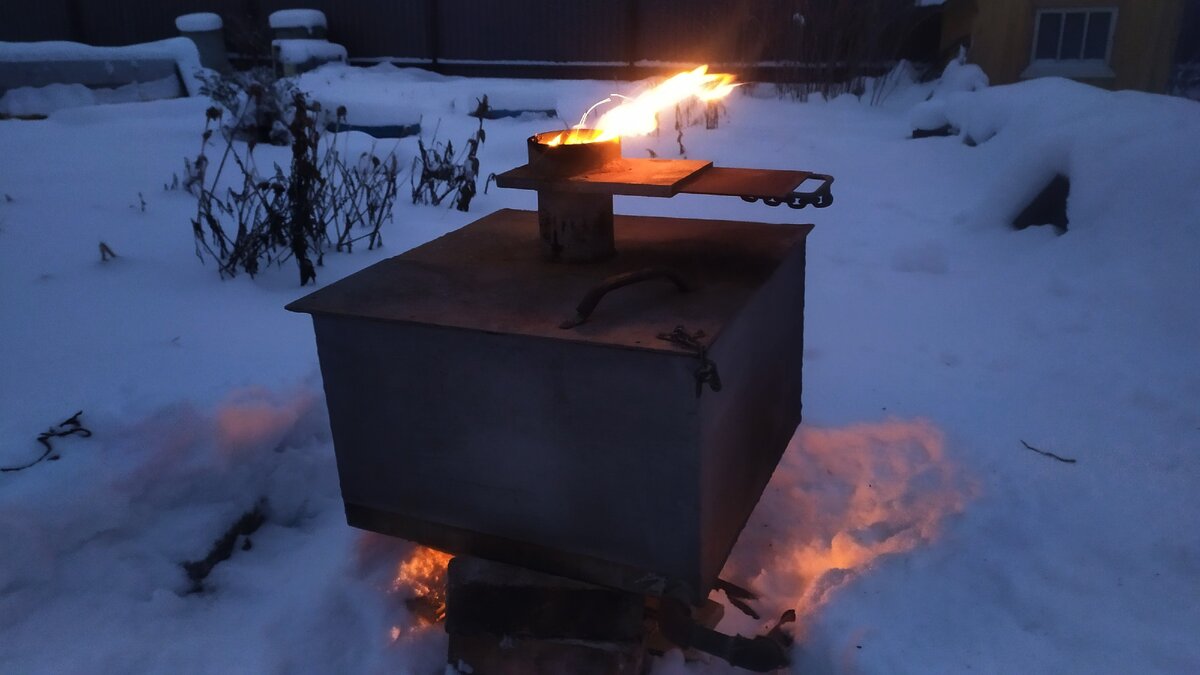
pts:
[422, 580]
[840, 500]
[638, 116]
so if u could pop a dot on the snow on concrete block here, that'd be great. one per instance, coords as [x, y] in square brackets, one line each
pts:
[297, 18]
[36, 64]
[302, 51]
[199, 22]
[298, 56]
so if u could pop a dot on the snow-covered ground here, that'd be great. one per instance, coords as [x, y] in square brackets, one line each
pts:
[908, 523]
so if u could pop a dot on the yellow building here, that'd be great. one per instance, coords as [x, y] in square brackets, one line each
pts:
[1116, 44]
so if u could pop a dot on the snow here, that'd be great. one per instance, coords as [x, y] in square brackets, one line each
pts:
[959, 76]
[297, 18]
[181, 49]
[303, 51]
[25, 101]
[387, 95]
[907, 524]
[198, 22]
[45, 100]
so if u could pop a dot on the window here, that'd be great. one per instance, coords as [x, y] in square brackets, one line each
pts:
[1074, 35]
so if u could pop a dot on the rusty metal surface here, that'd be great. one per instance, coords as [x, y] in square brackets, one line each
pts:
[558, 161]
[489, 276]
[636, 177]
[574, 227]
[758, 183]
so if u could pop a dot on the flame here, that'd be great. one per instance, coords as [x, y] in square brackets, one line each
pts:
[638, 116]
[840, 499]
[422, 579]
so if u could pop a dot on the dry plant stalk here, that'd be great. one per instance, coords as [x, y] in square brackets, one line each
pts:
[322, 202]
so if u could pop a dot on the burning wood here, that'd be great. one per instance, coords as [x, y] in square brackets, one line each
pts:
[422, 578]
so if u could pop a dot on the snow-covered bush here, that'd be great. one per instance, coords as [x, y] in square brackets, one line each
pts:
[438, 172]
[284, 216]
[257, 102]
[958, 77]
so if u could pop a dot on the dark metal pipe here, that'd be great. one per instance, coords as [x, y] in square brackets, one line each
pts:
[574, 227]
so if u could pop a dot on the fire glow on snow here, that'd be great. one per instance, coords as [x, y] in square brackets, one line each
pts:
[841, 499]
[847, 497]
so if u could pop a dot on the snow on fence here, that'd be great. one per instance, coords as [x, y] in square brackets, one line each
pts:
[162, 69]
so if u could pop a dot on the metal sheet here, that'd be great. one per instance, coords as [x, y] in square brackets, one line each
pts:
[582, 455]
[758, 183]
[489, 276]
[637, 177]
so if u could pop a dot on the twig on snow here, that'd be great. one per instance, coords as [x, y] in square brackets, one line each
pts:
[246, 525]
[1064, 460]
[68, 427]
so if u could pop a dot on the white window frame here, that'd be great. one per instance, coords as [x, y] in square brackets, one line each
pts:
[1083, 68]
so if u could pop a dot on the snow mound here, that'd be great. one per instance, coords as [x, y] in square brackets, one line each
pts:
[1132, 162]
[31, 101]
[958, 76]
[297, 18]
[961, 76]
[199, 22]
[27, 101]
[1130, 156]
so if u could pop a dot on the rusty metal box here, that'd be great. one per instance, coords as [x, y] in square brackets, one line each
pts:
[465, 418]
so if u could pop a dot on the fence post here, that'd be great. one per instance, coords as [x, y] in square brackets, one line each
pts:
[75, 26]
[433, 28]
[632, 30]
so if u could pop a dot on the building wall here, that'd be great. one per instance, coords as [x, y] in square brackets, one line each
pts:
[1002, 31]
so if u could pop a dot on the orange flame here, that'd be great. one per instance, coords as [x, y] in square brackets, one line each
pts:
[638, 116]
[422, 578]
